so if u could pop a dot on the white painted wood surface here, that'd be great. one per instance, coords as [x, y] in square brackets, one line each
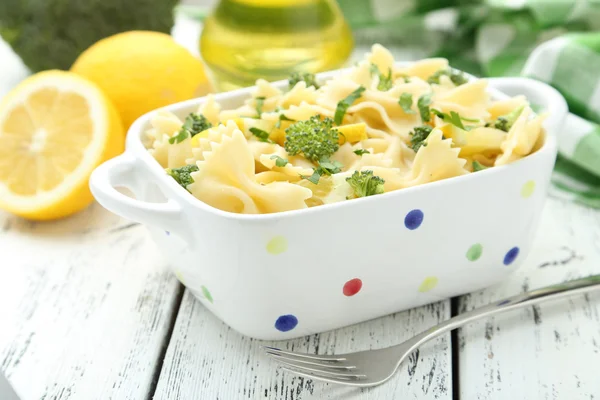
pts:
[85, 307]
[208, 360]
[551, 351]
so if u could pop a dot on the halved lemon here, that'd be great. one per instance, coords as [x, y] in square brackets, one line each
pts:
[55, 128]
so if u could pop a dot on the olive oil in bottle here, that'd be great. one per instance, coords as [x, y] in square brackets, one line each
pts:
[244, 40]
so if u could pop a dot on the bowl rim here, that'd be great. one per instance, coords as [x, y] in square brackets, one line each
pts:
[173, 191]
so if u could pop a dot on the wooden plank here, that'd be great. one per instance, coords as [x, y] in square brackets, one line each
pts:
[206, 359]
[85, 307]
[549, 351]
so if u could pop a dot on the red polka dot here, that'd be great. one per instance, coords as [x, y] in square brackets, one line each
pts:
[352, 287]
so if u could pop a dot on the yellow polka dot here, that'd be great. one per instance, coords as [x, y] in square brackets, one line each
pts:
[527, 189]
[428, 284]
[179, 276]
[277, 245]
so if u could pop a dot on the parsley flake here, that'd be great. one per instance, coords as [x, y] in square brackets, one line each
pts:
[342, 105]
[261, 135]
[360, 152]
[423, 105]
[280, 162]
[406, 102]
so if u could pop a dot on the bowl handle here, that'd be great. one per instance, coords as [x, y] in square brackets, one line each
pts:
[537, 93]
[121, 171]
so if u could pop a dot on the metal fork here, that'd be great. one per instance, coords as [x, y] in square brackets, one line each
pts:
[373, 367]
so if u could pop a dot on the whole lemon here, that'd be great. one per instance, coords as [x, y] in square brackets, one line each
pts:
[141, 71]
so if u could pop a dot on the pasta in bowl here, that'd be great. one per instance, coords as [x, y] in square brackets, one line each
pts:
[289, 209]
[374, 129]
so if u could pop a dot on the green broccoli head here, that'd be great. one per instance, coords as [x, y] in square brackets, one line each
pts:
[314, 138]
[183, 175]
[365, 183]
[50, 34]
[505, 122]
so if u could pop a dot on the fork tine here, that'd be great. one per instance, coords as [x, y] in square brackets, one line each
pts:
[326, 373]
[310, 361]
[329, 379]
[333, 366]
[276, 351]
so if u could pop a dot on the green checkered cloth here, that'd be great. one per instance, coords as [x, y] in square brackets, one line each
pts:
[554, 41]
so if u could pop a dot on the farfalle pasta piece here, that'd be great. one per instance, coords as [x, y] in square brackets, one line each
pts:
[422, 69]
[381, 57]
[210, 109]
[470, 100]
[433, 162]
[521, 137]
[225, 179]
[165, 125]
[213, 135]
[297, 95]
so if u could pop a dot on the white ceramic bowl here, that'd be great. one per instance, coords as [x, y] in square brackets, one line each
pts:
[279, 276]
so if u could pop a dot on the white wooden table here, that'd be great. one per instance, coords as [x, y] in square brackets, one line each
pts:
[89, 310]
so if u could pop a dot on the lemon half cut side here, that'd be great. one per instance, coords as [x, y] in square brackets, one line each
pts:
[55, 128]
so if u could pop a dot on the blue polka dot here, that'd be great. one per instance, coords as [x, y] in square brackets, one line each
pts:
[511, 255]
[286, 323]
[413, 219]
[168, 233]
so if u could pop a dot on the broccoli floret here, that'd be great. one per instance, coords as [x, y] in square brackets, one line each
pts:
[505, 122]
[193, 125]
[307, 77]
[50, 34]
[314, 138]
[457, 77]
[418, 136]
[365, 183]
[183, 175]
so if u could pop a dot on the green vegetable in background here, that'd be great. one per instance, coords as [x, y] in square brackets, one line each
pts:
[50, 34]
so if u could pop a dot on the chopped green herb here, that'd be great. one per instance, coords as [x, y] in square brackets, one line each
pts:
[423, 105]
[280, 162]
[307, 77]
[477, 166]
[405, 77]
[456, 76]
[406, 102]
[261, 135]
[183, 175]
[385, 81]
[282, 117]
[360, 152]
[180, 137]
[260, 102]
[194, 124]
[326, 167]
[313, 138]
[455, 119]
[342, 105]
[365, 184]
[418, 136]
[505, 122]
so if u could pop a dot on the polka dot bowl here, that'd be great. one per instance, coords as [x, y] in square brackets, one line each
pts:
[280, 276]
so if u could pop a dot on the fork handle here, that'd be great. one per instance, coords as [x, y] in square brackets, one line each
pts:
[553, 292]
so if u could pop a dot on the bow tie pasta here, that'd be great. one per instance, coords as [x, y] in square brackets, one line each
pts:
[374, 128]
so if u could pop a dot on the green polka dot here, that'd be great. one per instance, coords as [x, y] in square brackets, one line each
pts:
[428, 284]
[527, 189]
[179, 276]
[277, 245]
[206, 293]
[474, 252]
